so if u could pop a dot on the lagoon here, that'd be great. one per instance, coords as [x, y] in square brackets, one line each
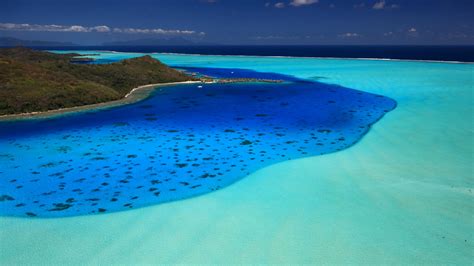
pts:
[402, 194]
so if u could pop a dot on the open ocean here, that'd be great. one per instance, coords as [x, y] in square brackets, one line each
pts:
[431, 53]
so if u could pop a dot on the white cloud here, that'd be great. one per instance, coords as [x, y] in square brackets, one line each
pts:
[36, 27]
[280, 5]
[100, 29]
[76, 29]
[381, 5]
[154, 31]
[303, 2]
[413, 32]
[349, 35]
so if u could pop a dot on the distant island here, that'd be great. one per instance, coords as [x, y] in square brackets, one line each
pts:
[35, 81]
[12, 42]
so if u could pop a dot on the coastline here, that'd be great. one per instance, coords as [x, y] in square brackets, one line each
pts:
[313, 57]
[136, 94]
[279, 56]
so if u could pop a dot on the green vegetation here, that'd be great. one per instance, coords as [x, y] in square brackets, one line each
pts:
[39, 81]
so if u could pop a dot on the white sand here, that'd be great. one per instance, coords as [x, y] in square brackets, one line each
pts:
[135, 94]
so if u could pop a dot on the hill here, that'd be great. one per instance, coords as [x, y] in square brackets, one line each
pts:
[12, 42]
[39, 81]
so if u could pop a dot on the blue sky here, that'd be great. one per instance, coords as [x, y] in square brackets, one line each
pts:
[242, 21]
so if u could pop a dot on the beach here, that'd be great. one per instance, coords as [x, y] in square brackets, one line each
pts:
[136, 94]
[403, 194]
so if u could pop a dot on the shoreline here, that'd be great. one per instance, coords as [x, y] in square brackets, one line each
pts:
[313, 57]
[136, 94]
[282, 56]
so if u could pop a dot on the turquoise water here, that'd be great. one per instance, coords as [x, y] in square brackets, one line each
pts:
[401, 195]
[181, 142]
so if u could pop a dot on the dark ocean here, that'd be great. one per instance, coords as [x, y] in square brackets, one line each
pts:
[436, 53]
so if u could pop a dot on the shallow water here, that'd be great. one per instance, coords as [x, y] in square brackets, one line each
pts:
[181, 142]
[401, 195]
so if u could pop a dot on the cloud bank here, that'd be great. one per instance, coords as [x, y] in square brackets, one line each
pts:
[293, 3]
[383, 5]
[349, 35]
[100, 29]
[280, 5]
[303, 2]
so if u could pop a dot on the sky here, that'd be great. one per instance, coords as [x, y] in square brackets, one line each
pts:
[266, 22]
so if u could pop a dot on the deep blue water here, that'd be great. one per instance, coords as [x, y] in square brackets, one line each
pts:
[181, 142]
[440, 53]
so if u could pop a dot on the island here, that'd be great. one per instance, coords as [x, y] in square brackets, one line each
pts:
[40, 83]
[35, 81]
